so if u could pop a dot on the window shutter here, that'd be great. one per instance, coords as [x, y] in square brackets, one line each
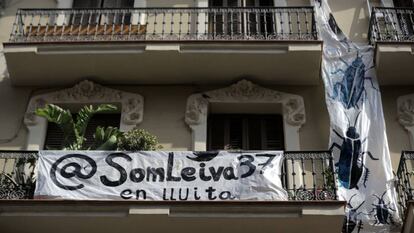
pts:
[118, 18]
[273, 133]
[235, 138]
[245, 132]
[86, 3]
[54, 136]
[255, 133]
[216, 127]
[118, 3]
[403, 3]
[80, 19]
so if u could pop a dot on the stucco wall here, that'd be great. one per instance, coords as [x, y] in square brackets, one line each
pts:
[164, 114]
[165, 105]
[398, 138]
[13, 101]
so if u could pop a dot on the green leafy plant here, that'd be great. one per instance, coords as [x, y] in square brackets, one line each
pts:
[106, 138]
[138, 140]
[74, 129]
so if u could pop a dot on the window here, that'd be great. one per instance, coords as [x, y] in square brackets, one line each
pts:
[405, 19]
[245, 132]
[241, 22]
[93, 19]
[54, 135]
[403, 3]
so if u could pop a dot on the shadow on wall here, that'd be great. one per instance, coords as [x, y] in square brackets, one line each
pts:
[10, 7]
[12, 133]
[352, 17]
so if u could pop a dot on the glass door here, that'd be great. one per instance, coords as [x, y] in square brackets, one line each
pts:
[233, 22]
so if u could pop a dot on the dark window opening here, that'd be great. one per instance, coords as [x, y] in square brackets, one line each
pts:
[249, 24]
[54, 136]
[405, 18]
[403, 3]
[245, 132]
[109, 19]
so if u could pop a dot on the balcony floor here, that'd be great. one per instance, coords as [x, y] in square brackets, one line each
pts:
[201, 217]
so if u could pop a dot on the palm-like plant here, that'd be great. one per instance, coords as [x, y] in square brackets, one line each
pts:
[74, 129]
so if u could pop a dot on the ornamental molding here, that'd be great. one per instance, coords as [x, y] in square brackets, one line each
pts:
[405, 106]
[245, 91]
[87, 92]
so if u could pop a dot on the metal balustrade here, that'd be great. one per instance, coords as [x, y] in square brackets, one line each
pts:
[164, 24]
[17, 170]
[405, 179]
[306, 176]
[391, 25]
[309, 175]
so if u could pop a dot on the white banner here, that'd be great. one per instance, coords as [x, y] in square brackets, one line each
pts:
[358, 138]
[156, 175]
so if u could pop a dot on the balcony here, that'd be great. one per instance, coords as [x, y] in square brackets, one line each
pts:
[392, 33]
[166, 46]
[307, 176]
[405, 189]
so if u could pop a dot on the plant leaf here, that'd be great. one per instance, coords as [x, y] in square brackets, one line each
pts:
[86, 113]
[106, 138]
[63, 118]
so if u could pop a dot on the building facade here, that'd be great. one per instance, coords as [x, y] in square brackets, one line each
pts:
[201, 75]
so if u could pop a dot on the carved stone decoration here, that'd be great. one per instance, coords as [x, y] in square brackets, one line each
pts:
[406, 115]
[87, 92]
[406, 110]
[244, 92]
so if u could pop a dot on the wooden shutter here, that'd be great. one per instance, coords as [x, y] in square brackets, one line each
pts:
[245, 132]
[216, 128]
[86, 3]
[54, 136]
[403, 3]
[254, 133]
[234, 140]
[79, 19]
[117, 18]
[273, 133]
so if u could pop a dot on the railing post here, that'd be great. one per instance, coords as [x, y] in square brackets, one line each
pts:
[63, 4]
[202, 18]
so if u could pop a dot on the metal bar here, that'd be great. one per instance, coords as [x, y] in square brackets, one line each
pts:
[109, 24]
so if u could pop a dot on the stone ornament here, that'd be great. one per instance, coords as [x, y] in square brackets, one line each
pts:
[87, 92]
[405, 106]
[245, 91]
[406, 110]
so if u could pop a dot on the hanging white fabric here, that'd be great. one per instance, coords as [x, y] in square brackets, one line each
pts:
[161, 176]
[358, 138]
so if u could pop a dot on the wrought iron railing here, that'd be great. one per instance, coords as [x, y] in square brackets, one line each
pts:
[391, 25]
[164, 24]
[309, 175]
[306, 176]
[405, 179]
[17, 174]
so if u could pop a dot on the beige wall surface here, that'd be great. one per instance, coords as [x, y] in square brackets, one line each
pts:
[398, 138]
[9, 14]
[13, 101]
[164, 110]
[165, 105]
